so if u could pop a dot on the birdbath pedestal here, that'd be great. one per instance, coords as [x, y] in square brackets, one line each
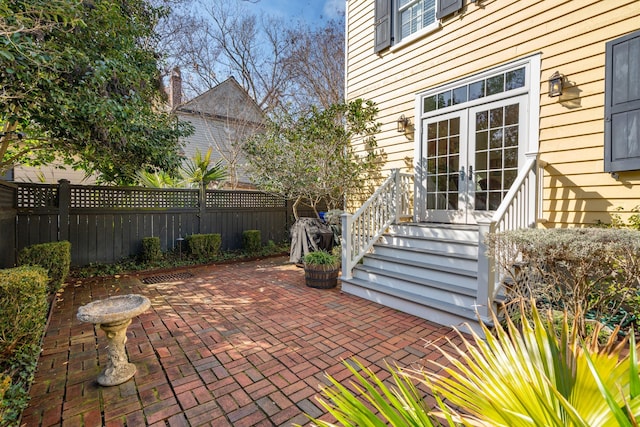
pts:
[114, 315]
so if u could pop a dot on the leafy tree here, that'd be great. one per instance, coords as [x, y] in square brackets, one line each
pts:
[315, 157]
[81, 82]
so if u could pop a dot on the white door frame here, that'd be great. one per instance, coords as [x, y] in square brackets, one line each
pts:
[529, 141]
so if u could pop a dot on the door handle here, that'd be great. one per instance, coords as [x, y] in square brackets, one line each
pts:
[470, 172]
[462, 173]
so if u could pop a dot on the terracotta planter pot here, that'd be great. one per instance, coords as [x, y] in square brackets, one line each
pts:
[321, 276]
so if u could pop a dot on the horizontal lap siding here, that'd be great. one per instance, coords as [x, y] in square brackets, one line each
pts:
[569, 35]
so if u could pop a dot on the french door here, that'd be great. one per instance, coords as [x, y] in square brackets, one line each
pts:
[470, 159]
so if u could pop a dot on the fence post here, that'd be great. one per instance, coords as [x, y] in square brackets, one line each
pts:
[202, 207]
[64, 205]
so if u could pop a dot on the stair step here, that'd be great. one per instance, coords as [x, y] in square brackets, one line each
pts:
[431, 243]
[404, 262]
[430, 256]
[444, 231]
[361, 288]
[425, 283]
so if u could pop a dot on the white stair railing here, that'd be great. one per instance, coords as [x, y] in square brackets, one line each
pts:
[390, 203]
[520, 208]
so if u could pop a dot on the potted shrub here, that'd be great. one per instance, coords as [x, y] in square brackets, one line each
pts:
[321, 269]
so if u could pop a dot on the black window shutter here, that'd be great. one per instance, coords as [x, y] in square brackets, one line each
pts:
[447, 7]
[622, 104]
[382, 25]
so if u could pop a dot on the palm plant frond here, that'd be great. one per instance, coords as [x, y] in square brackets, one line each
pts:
[539, 373]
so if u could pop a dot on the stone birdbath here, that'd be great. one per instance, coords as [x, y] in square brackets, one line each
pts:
[114, 315]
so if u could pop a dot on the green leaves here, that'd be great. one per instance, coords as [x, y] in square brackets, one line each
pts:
[312, 157]
[81, 79]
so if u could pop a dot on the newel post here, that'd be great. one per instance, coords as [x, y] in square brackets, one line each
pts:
[64, 205]
[347, 220]
[397, 195]
[486, 271]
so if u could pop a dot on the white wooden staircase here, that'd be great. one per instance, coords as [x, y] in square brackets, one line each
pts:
[439, 272]
[428, 270]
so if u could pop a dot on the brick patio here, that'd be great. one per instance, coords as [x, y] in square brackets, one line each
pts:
[243, 344]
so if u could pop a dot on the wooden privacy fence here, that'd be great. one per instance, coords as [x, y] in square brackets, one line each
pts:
[107, 224]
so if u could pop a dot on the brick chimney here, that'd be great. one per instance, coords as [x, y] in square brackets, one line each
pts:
[175, 88]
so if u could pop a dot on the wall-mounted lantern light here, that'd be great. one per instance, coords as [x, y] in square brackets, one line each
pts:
[403, 123]
[555, 84]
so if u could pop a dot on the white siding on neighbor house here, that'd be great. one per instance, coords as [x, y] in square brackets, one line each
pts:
[209, 132]
[570, 37]
[50, 174]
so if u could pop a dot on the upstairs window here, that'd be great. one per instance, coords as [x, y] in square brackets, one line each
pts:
[396, 20]
[415, 15]
[622, 104]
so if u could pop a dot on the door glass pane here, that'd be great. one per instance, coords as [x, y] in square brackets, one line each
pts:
[495, 138]
[481, 140]
[432, 131]
[496, 155]
[511, 158]
[495, 159]
[511, 136]
[443, 160]
[495, 117]
[511, 113]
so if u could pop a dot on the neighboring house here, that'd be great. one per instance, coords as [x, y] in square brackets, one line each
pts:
[223, 118]
[467, 83]
[49, 174]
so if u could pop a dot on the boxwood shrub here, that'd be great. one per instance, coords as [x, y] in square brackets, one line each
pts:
[23, 307]
[204, 246]
[251, 241]
[151, 251]
[55, 257]
[23, 313]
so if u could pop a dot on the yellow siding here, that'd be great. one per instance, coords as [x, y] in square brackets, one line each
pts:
[570, 36]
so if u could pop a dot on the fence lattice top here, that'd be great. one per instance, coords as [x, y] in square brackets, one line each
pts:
[243, 199]
[130, 198]
[32, 196]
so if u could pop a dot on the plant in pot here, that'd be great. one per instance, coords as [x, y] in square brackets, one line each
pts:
[321, 269]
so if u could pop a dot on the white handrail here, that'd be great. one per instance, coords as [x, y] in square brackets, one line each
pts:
[520, 208]
[389, 203]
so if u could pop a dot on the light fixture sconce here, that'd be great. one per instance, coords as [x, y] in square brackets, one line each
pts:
[403, 123]
[555, 84]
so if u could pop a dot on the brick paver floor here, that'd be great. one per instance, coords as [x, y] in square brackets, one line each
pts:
[244, 344]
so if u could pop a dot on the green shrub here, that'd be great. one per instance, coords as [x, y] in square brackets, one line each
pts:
[594, 271]
[204, 246]
[252, 241]
[321, 258]
[151, 251]
[19, 370]
[55, 257]
[23, 307]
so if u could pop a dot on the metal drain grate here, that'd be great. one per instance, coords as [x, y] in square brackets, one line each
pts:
[165, 278]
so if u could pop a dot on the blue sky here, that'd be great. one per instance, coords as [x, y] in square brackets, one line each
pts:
[310, 11]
